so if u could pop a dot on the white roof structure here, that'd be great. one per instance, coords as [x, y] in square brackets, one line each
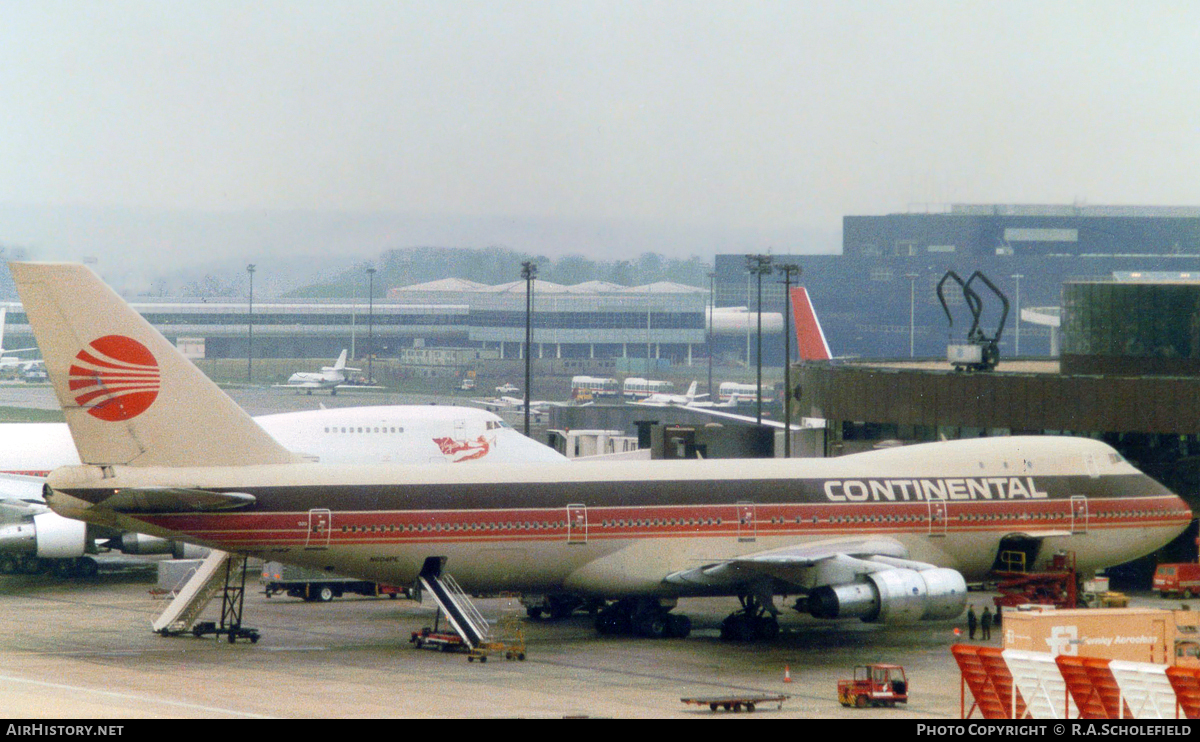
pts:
[665, 287]
[444, 284]
[595, 287]
[518, 287]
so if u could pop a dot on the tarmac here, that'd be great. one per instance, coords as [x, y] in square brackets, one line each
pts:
[84, 649]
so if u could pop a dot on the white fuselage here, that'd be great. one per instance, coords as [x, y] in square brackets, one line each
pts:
[621, 528]
[424, 434]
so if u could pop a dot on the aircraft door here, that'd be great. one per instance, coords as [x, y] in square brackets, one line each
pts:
[320, 525]
[1079, 514]
[747, 526]
[938, 517]
[577, 524]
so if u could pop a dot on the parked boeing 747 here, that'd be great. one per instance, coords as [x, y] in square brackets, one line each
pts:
[30, 533]
[889, 536]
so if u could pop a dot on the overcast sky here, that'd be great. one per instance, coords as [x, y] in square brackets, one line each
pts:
[749, 120]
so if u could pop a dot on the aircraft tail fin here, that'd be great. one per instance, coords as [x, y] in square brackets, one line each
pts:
[810, 338]
[340, 364]
[128, 395]
[691, 392]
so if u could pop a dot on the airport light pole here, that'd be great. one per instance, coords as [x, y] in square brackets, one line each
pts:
[1018, 278]
[370, 321]
[712, 307]
[250, 327]
[788, 270]
[759, 266]
[529, 273]
[912, 313]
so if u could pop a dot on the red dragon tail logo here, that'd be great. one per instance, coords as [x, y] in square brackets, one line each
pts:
[465, 450]
[116, 378]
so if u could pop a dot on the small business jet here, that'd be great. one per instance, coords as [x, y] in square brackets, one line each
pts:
[329, 377]
[887, 536]
[664, 399]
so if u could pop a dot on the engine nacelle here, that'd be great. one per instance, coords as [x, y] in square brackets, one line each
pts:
[893, 596]
[59, 537]
[18, 538]
[140, 543]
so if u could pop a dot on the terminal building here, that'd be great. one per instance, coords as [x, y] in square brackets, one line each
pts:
[651, 326]
[877, 298]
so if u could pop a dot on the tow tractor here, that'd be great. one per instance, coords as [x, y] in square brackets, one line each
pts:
[876, 684]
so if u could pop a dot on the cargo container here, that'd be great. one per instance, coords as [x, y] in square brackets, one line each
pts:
[1132, 634]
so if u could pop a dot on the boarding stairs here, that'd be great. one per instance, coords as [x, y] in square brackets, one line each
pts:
[194, 596]
[466, 619]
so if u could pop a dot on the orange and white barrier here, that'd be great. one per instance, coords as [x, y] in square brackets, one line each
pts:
[1015, 684]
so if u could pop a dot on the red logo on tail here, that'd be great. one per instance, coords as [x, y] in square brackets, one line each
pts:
[114, 379]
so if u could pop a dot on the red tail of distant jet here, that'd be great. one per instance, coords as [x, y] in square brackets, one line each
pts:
[810, 338]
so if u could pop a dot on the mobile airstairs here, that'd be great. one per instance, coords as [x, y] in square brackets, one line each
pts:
[466, 619]
[218, 573]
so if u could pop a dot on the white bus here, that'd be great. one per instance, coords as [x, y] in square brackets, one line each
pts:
[639, 388]
[598, 386]
[745, 392]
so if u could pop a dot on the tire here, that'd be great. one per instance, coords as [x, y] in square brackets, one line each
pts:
[678, 627]
[325, 594]
[653, 626]
[861, 702]
[766, 629]
[86, 567]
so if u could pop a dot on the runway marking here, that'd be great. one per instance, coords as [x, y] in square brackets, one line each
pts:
[133, 697]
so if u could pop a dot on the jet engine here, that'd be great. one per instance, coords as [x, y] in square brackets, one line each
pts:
[48, 535]
[891, 596]
[140, 543]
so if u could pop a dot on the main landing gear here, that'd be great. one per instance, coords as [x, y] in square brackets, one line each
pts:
[755, 622]
[642, 617]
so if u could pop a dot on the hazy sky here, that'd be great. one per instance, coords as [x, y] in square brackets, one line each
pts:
[730, 118]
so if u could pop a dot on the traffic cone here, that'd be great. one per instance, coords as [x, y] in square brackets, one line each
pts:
[957, 631]
[787, 674]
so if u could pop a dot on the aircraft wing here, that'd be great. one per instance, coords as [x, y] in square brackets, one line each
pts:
[734, 416]
[19, 488]
[173, 500]
[807, 566]
[304, 385]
